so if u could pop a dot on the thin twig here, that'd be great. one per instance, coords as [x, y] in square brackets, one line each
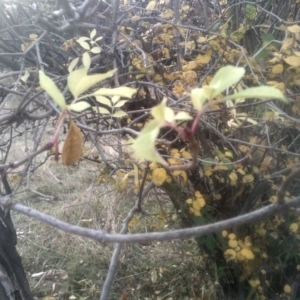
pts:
[115, 257]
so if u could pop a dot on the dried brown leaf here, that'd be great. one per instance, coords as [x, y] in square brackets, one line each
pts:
[73, 145]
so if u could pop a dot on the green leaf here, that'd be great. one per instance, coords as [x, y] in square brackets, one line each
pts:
[50, 87]
[79, 106]
[73, 64]
[82, 42]
[120, 103]
[101, 110]
[227, 163]
[82, 39]
[122, 91]
[162, 113]
[74, 78]
[208, 161]
[208, 92]
[93, 34]
[85, 45]
[152, 125]
[96, 50]
[144, 145]
[260, 92]
[119, 114]
[183, 116]
[88, 81]
[224, 78]
[25, 76]
[86, 60]
[103, 100]
[198, 98]
[115, 99]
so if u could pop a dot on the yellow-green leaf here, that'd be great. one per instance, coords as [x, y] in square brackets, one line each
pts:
[226, 77]
[119, 114]
[144, 145]
[96, 50]
[82, 39]
[73, 64]
[82, 42]
[103, 100]
[146, 150]
[115, 99]
[50, 87]
[260, 92]
[123, 91]
[25, 76]
[198, 98]
[183, 116]
[93, 33]
[120, 103]
[74, 78]
[86, 60]
[88, 81]
[101, 110]
[162, 113]
[208, 92]
[79, 106]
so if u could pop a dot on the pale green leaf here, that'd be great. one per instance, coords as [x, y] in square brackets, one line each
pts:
[88, 81]
[144, 146]
[119, 114]
[183, 116]
[122, 91]
[74, 78]
[101, 110]
[73, 64]
[103, 100]
[82, 42]
[85, 45]
[120, 103]
[86, 60]
[79, 106]
[153, 125]
[50, 87]
[82, 39]
[225, 78]
[93, 33]
[248, 120]
[260, 92]
[96, 50]
[208, 92]
[198, 98]
[115, 99]
[25, 76]
[99, 38]
[162, 113]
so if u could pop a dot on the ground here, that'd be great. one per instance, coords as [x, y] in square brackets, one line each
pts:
[61, 265]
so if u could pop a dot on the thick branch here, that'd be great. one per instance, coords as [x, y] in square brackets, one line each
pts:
[101, 236]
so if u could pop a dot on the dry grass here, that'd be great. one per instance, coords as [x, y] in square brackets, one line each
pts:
[72, 265]
[62, 265]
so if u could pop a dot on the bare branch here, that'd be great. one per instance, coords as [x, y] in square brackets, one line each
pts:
[101, 236]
